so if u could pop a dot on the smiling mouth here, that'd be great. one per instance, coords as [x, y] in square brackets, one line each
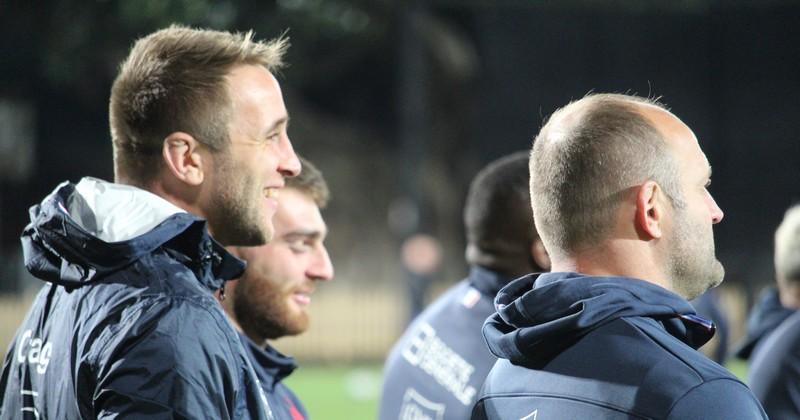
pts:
[271, 192]
[302, 298]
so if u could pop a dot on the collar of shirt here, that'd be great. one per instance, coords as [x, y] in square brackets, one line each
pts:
[270, 365]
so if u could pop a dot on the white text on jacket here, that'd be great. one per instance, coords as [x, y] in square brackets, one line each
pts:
[432, 355]
[35, 351]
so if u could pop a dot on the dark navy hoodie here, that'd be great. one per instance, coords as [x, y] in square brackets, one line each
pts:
[583, 347]
[272, 367]
[774, 373]
[764, 318]
[126, 328]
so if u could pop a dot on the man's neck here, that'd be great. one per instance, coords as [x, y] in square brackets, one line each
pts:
[178, 199]
[615, 258]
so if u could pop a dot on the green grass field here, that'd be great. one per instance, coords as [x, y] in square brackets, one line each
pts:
[338, 392]
[738, 367]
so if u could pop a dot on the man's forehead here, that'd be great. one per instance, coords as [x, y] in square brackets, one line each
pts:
[661, 119]
[298, 214]
[674, 131]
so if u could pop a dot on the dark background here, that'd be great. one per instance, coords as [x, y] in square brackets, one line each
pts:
[400, 103]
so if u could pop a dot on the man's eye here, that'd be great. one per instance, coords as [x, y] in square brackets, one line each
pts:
[299, 246]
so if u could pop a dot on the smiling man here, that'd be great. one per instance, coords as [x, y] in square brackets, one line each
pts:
[271, 299]
[126, 324]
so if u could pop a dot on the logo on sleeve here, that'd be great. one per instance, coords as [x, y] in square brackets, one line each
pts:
[531, 416]
[470, 298]
[417, 407]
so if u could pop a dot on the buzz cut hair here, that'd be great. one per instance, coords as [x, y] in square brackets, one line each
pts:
[497, 215]
[585, 158]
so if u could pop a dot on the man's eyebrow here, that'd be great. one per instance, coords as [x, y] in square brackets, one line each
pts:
[277, 123]
[304, 233]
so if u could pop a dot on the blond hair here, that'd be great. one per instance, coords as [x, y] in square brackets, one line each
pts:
[175, 80]
[787, 246]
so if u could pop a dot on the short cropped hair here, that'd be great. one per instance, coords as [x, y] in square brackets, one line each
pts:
[787, 246]
[175, 80]
[583, 160]
[497, 215]
[310, 182]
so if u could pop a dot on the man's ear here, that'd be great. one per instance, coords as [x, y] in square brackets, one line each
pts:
[540, 255]
[183, 159]
[650, 209]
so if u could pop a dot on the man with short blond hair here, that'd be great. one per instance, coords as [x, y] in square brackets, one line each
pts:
[619, 196]
[126, 324]
[778, 302]
[773, 372]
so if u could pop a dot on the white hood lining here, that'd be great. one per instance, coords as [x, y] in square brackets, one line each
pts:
[123, 212]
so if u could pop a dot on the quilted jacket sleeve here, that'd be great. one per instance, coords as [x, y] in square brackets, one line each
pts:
[171, 358]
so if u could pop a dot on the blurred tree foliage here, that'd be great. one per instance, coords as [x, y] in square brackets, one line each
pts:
[73, 45]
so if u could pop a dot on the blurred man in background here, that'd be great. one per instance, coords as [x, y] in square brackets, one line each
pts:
[774, 372]
[271, 299]
[619, 195]
[776, 304]
[126, 324]
[438, 366]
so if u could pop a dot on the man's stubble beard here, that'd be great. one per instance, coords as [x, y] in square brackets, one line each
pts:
[234, 215]
[692, 263]
[263, 312]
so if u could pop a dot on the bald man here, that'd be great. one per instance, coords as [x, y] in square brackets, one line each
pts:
[619, 191]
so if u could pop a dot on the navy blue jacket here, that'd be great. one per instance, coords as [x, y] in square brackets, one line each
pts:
[765, 316]
[774, 373]
[126, 329]
[272, 367]
[581, 347]
[439, 364]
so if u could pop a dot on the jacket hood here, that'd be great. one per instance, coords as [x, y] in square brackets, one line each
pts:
[82, 233]
[541, 314]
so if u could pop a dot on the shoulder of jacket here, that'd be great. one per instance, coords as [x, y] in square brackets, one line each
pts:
[721, 397]
[166, 314]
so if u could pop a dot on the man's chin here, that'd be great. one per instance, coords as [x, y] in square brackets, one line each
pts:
[296, 326]
[718, 274]
[285, 331]
[255, 236]
[715, 278]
